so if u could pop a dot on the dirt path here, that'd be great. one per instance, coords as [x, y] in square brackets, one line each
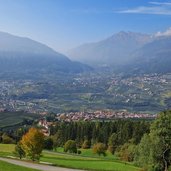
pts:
[36, 166]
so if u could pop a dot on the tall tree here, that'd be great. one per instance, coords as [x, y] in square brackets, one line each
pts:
[33, 143]
[161, 136]
[58, 140]
[143, 155]
[155, 148]
[113, 143]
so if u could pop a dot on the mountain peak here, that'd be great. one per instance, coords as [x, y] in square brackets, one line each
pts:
[113, 50]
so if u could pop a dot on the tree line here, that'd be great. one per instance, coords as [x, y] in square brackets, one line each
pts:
[94, 132]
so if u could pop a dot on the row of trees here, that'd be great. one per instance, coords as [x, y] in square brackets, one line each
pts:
[86, 134]
[98, 148]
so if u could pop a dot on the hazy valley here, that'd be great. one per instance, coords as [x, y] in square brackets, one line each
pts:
[35, 78]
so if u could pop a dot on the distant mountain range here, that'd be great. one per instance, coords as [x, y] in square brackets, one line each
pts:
[153, 57]
[23, 55]
[112, 51]
[130, 52]
[133, 52]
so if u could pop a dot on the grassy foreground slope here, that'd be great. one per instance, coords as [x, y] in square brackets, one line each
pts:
[89, 153]
[6, 149]
[4, 166]
[88, 162]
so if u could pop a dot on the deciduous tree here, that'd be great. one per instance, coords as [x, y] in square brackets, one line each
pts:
[32, 143]
[70, 146]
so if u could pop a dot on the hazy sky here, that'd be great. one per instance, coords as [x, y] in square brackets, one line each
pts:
[64, 24]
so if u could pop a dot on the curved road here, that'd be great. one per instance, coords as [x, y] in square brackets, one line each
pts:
[36, 166]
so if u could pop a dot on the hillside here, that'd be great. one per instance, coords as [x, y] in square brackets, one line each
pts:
[21, 55]
[128, 52]
[112, 51]
[153, 57]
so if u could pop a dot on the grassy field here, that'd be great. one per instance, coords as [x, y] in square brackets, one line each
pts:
[86, 160]
[10, 119]
[86, 163]
[4, 166]
[89, 153]
[6, 149]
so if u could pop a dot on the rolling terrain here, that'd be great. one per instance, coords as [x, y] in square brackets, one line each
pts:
[16, 119]
[153, 57]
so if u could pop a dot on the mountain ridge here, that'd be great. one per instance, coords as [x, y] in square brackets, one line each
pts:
[129, 52]
[18, 54]
[113, 50]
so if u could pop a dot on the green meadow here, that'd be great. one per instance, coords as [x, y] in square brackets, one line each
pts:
[6, 149]
[87, 160]
[87, 163]
[4, 166]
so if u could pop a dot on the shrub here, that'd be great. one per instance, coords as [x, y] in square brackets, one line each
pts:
[99, 149]
[70, 146]
[86, 144]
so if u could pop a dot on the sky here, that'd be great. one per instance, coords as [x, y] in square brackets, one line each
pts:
[65, 24]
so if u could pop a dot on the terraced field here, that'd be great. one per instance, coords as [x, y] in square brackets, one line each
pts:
[13, 119]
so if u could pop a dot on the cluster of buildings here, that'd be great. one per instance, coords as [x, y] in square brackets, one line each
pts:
[90, 116]
[44, 125]
[102, 115]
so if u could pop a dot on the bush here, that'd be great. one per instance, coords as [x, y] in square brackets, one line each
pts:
[99, 149]
[70, 146]
[6, 139]
[86, 144]
[127, 152]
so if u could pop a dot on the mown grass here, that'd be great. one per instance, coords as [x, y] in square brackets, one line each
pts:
[87, 163]
[87, 160]
[4, 166]
[6, 149]
[89, 153]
